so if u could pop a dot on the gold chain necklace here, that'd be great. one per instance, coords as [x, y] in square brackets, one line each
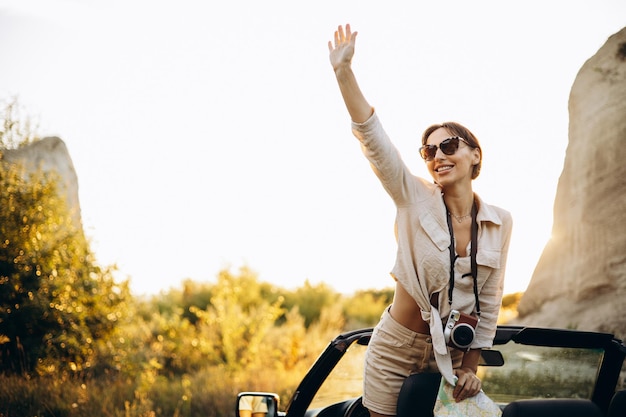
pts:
[460, 218]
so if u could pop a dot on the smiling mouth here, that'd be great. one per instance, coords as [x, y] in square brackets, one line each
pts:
[444, 168]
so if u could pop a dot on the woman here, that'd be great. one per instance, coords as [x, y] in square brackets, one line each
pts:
[437, 268]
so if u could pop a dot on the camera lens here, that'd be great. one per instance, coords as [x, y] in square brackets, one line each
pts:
[463, 335]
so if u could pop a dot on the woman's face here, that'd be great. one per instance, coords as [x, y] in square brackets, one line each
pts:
[450, 170]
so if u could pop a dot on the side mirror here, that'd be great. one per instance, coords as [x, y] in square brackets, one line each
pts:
[257, 404]
[490, 357]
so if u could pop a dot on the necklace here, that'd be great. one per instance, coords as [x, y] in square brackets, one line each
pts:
[459, 218]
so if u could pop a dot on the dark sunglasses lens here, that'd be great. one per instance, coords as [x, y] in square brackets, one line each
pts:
[449, 146]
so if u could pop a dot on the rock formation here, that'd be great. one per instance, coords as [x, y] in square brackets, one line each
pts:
[580, 279]
[51, 155]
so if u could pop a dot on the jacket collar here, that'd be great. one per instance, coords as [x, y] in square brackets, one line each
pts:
[487, 213]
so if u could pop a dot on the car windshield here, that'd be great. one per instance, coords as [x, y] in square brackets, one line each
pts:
[345, 381]
[541, 372]
[528, 372]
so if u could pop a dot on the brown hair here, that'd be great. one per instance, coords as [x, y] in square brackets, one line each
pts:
[457, 129]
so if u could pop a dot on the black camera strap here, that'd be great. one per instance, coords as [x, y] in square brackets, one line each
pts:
[473, 250]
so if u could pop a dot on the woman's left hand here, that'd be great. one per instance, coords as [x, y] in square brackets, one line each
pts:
[467, 385]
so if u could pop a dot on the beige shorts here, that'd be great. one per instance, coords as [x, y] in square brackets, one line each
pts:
[393, 353]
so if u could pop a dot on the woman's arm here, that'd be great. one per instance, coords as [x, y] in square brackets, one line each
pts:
[468, 384]
[341, 59]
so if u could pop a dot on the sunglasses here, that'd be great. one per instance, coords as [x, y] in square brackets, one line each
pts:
[448, 146]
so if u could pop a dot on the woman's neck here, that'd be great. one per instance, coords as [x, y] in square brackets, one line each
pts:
[459, 204]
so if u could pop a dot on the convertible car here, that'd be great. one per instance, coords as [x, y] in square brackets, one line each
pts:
[529, 372]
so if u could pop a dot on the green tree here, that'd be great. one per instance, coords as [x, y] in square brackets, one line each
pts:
[365, 307]
[311, 300]
[57, 306]
[239, 318]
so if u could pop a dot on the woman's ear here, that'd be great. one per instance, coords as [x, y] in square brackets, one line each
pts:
[476, 156]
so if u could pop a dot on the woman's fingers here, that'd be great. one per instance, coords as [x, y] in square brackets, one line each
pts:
[348, 32]
[342, 36]
[341, 48]
[339, 35]
[467, 386]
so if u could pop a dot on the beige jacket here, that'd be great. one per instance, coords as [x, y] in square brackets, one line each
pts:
[423, 260]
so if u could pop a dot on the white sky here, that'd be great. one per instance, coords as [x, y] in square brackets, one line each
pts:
[210, 135]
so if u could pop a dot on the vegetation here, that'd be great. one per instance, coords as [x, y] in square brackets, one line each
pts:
[56, 304]
[162, 363]
[16, 130]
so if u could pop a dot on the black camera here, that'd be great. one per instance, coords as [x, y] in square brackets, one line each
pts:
[459, 331]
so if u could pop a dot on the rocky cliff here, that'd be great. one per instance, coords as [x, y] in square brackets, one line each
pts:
[580, 279]
[51, 155]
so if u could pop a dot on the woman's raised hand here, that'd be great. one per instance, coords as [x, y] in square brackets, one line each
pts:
[342, 51]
